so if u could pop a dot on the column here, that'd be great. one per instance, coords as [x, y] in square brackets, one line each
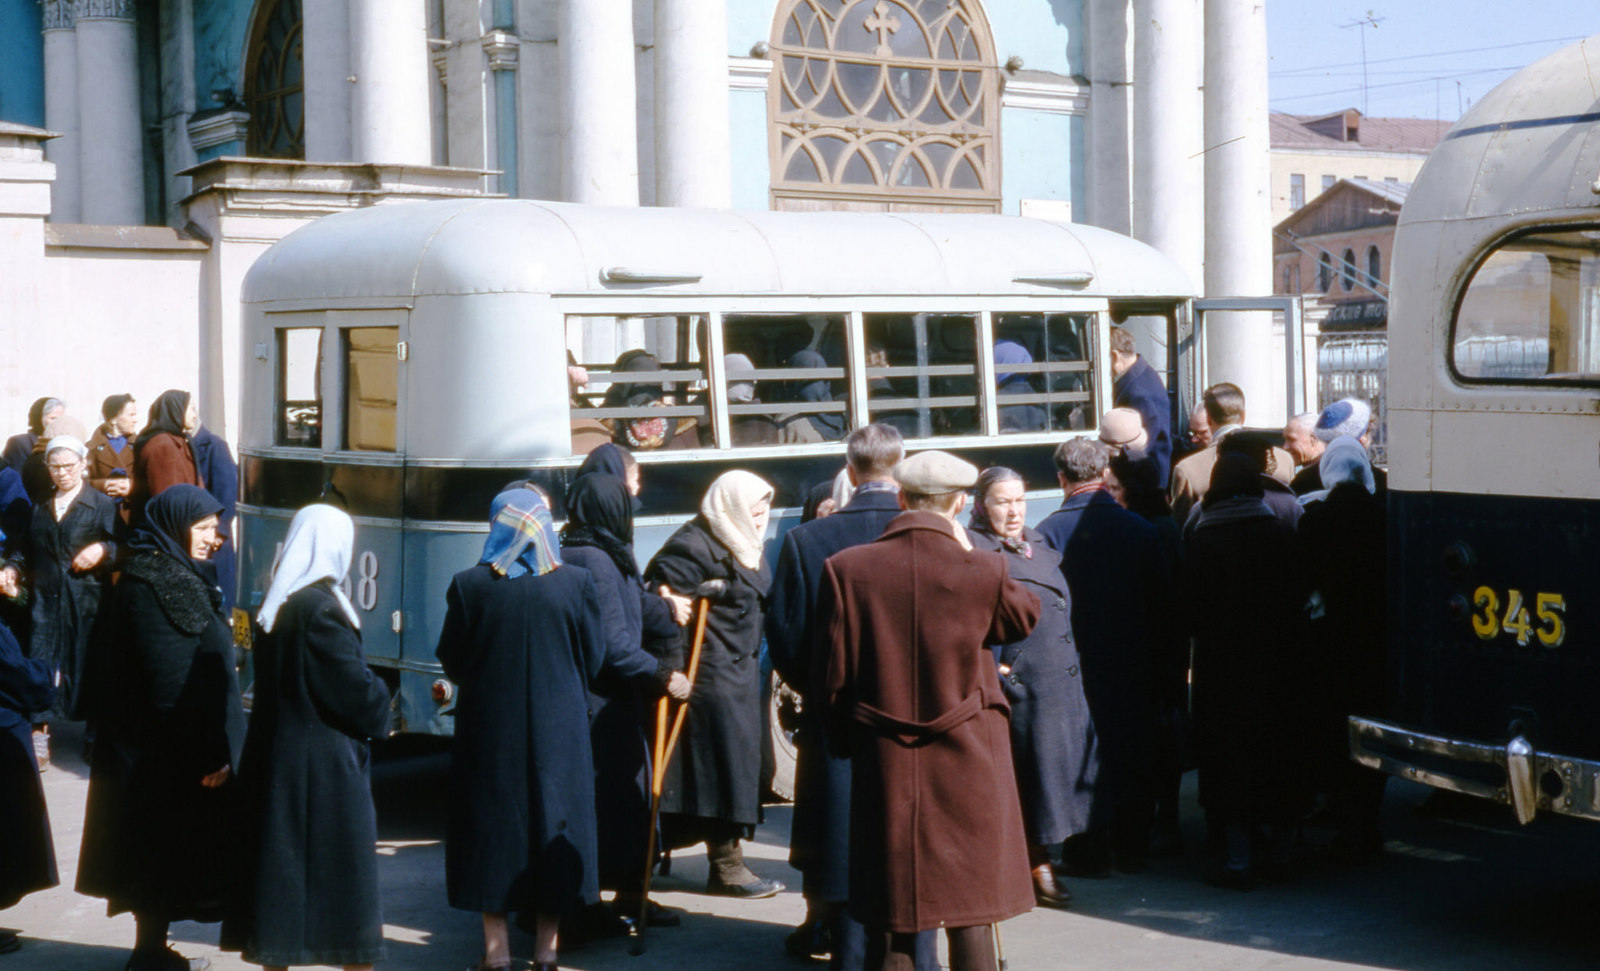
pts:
[325, 45]
[1109, 199]
[599, 143]
[1238, 170]
[693, 166]
[61, 109]
[1168, 205]
[389, 117]
[110, 126]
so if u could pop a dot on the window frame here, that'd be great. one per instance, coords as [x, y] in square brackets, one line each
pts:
[266, 16]
[280, 391]
[1297, 191]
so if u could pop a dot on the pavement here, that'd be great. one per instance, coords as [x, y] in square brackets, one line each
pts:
[1459, 886]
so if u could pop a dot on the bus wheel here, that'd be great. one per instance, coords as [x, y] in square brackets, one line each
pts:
[783, 714]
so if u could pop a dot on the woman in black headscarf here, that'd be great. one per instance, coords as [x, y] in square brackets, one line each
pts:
[158, 825]
[645, 433]
[598, 537]
[615, 461]
[825, 426]
[162, 454]
[20, 446]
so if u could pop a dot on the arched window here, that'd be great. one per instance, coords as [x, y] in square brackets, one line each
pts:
[1347, 272]
[274, 84]
[1325, 273]
[884, 101]
[1374, 266]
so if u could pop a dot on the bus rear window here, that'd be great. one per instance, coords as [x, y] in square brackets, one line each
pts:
[299, 391]
[637, 381]
[1531, 312]
[372, 388]
[922, 373]
[1043, 379]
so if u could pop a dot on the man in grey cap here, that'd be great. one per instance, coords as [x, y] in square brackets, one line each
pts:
[936, 837]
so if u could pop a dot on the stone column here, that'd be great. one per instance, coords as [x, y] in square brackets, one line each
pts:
[25, 179]
[600, 148]
[325, 45]
[1168, 205]
[61, 109]
[389, 117]
[1240, 347]
[1109, 199]
[110, 126]
[693, 166]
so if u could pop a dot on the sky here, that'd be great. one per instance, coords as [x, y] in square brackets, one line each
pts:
[1424, 58]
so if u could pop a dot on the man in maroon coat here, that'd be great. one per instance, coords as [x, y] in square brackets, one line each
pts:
[912, 695]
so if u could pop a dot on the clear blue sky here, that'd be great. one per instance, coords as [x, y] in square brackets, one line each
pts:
[1417, 54]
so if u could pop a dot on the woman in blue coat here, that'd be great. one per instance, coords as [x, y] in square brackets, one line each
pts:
[27, 854]
[523, 639]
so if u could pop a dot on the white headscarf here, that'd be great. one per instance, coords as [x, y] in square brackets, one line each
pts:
[727, 508]
[843, 490]
[320, 544]
[70, 443]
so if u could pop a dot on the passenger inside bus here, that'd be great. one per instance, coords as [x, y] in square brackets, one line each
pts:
[645, 433]
[1020, 417]
[588, 434]
[744, 429]
[805, 427]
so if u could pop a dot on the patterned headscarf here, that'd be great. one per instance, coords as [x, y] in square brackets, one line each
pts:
[522, 536]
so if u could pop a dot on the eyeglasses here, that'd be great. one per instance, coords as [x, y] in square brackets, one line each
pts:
[56, 467]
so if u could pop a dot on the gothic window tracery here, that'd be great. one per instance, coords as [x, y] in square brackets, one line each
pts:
[887, 101]
[275, 82]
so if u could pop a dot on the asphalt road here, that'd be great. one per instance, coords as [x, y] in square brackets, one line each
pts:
[1459, 887]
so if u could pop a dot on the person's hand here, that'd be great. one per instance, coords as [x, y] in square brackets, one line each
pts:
[680, 605]
[89, 557]
[118, 488]
[10, 581]
[216, 778]
[679, 686]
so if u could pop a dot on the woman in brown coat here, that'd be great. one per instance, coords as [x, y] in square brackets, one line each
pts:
[111, 448]
[162, 455]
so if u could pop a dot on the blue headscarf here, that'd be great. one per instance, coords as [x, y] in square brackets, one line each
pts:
[1010, 352]
[1343, 461]
[522, 536]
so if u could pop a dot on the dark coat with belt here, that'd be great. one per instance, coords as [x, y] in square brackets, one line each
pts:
[627, 675]
[819, 839]
[27, 854]
[716, 771]
[66, 603]
[163, 461]
[1140, 388]
[1112, 561]
[521, 834]
[1052, 736]
[169, 714]
[311, 877]
[1250, 690]
[936, 830]
[220, 476]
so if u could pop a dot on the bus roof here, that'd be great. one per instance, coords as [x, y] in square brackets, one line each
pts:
[472, 246]
[1532, 144]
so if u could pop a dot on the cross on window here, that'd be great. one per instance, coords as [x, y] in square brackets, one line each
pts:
[884, 23]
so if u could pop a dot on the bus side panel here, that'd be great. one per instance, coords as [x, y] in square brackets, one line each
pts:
[433, 558]
[1493, 618]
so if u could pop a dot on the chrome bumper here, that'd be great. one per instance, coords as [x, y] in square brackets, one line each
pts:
[1529, 781]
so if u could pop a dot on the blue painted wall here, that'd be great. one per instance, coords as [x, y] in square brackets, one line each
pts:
[21, 63]
[221, 30]
[1041, 152]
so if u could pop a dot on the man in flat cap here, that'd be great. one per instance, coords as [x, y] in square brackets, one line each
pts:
[936, 837]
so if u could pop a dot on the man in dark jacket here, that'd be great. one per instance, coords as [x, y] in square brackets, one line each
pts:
[1138, 386]
[819, 843]
[912, 695]
[1112, 561]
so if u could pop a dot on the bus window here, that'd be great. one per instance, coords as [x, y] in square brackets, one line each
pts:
[299, 392]
[645, 385]
[1042, 372]
[1531, 311]
[371, 381]
[786, 378]
[922, 374]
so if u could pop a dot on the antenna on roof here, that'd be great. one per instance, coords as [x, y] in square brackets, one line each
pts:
[1361, 23]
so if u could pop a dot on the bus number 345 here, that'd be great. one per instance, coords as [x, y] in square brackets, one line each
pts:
[1488, 622]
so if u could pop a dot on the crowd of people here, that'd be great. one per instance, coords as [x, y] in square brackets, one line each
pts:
[990, 710]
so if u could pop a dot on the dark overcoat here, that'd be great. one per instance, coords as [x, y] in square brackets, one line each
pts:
[163, 461]
[27, 853]
[153, 838]
[1140, 388]
[521, 835]
[220, 475]
[65, 602]
[1052, 735]
[819, 838]
[627, 675]
[912, 695]
[716, 770]
[1112, 561]
[310, 881]
[1250, 690]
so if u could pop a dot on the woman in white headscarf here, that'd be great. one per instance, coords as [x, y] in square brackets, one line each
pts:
[712, 789]
[309, 889]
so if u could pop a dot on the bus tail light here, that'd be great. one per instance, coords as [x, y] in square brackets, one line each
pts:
[443, 691]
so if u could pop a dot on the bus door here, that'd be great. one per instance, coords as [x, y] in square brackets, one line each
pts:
[1257, 343]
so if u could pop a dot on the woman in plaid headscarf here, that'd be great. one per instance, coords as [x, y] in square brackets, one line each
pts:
[522, 639]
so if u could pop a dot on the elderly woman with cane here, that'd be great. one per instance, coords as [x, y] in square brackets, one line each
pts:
[711, 791]
[523, 638]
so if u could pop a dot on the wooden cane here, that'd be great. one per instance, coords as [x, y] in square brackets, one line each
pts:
[999, 948]
[664, 744]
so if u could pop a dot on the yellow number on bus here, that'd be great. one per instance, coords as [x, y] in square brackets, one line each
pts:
[1517, 618]
[1487, 625]
[1549, 607]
